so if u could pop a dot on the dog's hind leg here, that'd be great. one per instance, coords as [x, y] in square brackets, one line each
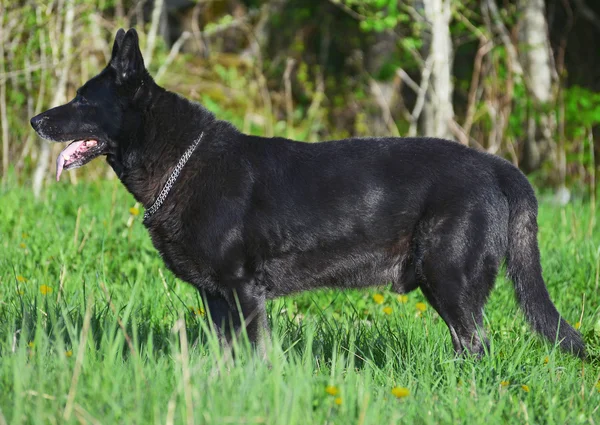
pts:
[457, 272]
[463, 315]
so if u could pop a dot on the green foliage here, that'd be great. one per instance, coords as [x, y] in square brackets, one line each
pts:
[376, 15]
[223, 21]
[582, 110]
[517, 127]
[58, 253]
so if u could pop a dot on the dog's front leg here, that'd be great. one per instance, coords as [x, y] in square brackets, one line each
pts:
[224, 319]
[224, 312]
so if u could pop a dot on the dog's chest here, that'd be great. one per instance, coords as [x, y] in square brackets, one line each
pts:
[185, 260]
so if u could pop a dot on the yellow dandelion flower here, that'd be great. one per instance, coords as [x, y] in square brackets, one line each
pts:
[505, 383]
[69, 353]
[31, 344]
[387, 310]
[197, 311]
[332, 390]
[546, 360]
[402, 299]
[525, 388]
[21, 278]
[134, 211]
[338, 401]
[45, 289]
[421, 307]
[378, 298]
[22, 245]
[577, 325]
[598, 386]
[400, 392]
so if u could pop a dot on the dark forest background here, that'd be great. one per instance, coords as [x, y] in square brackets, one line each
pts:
[518, 78]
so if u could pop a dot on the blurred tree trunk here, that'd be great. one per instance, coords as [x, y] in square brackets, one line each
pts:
[384, 93]
[156, 27]
[538, 68]
[438, 112]
[3, 114]
[263, 31]
[59, 93]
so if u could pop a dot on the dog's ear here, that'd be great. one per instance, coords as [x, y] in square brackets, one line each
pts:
[118, 40]
[128, 61]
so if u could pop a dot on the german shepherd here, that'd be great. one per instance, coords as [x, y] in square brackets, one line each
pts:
[245, 219]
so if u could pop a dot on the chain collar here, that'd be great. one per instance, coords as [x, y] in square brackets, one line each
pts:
[172, 178]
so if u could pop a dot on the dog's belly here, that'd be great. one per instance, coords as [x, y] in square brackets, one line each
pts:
[296, 272]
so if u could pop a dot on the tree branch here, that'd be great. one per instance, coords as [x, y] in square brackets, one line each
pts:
[172, 54]
[492, 9]
[420, 90]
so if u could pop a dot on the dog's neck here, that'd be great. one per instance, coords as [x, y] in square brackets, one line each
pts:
[160, 199]
[157, 145]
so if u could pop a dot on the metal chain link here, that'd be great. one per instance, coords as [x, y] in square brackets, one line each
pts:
[172, 178]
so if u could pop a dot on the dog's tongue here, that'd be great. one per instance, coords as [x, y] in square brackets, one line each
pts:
[62, 157]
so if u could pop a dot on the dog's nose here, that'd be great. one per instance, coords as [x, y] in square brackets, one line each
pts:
[36, 121]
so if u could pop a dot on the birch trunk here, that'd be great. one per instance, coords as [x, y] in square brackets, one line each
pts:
[536, 58]
[41, 170]
[438, 112]
[158, 11]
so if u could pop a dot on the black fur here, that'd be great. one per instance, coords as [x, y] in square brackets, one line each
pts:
[253, 218]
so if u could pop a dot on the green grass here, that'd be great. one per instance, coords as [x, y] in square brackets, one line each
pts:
[112, 341]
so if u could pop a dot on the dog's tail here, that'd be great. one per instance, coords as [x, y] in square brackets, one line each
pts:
[523, 263]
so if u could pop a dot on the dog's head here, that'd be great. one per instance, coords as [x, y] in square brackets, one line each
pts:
[95, 121]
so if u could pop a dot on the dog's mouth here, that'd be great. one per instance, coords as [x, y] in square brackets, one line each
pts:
[78, 153]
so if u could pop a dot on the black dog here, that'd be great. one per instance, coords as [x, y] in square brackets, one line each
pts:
[248, 219]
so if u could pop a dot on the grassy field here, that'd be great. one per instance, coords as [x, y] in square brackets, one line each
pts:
[93, 329]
